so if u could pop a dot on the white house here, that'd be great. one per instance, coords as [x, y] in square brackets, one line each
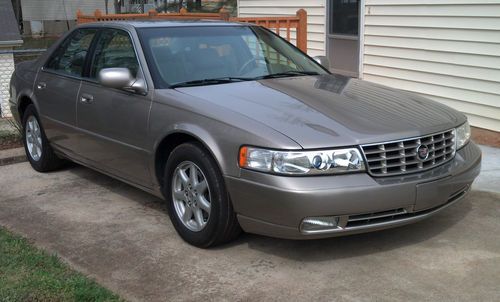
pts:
[54, 17]
[9, 37]
[446, 50]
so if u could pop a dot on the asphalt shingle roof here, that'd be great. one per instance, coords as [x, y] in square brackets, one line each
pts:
[9, 29]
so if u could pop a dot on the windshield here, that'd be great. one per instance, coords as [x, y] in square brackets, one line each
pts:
[187, 56]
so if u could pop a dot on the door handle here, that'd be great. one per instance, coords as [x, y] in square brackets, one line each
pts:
[41, 85]
[86, 98]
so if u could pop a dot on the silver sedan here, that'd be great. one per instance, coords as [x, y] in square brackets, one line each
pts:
[235, 128]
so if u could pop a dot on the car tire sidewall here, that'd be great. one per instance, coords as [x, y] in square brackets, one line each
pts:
[38, 165]
[218, 193]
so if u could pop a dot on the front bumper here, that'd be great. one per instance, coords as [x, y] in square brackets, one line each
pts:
[276, 205]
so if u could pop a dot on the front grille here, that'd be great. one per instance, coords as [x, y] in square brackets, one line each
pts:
[400, 157]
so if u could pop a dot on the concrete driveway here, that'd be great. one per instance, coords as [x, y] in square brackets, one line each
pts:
[123, 238]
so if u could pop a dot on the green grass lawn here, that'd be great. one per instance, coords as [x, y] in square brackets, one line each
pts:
[30, 274]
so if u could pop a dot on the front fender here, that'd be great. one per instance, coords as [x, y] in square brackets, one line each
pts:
[220, 130]
[223, 140]
[200, 134]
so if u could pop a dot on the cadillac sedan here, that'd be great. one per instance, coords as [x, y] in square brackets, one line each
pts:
[235, 128]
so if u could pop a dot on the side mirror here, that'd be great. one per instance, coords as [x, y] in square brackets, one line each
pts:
[121, 78]
[323, 61]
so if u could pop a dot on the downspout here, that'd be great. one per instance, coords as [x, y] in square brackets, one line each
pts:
[361, 38]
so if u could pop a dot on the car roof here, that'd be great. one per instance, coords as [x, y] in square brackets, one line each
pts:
[151, 23]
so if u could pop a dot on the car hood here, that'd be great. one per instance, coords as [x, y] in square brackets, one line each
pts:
[331, 110]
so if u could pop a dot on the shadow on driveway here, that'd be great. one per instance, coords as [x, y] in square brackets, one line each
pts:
[123, 238]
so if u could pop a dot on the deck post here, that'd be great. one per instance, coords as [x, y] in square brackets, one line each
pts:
[302, 30]
[79, 16]
[152, 13]
[224, 14]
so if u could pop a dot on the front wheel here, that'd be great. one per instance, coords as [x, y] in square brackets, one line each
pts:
[198, 203]
[38, 150]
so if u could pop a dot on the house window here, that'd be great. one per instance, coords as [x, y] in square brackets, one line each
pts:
[344, 18]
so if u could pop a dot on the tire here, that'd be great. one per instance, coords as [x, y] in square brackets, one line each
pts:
[36, 145]
[214, 227]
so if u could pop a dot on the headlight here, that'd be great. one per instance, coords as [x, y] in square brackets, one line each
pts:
[302, 162]
[462, 135]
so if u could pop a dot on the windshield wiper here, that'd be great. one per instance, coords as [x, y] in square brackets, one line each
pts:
[225, 80]
[288, 74]
[214, 81]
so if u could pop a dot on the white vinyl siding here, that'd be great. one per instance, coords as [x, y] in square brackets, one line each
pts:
[446, 50]
[6, 70]
[48, 10]
[315, 17]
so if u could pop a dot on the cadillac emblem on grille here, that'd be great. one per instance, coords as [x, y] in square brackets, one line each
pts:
[423, 152]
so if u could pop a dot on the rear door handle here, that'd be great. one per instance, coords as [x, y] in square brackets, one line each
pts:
[86, 98]
[41, 85]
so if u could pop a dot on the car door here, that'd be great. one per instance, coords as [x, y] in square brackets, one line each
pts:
[114, 122]
[57, 85]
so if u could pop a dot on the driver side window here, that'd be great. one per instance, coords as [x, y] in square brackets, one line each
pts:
[114, 49]
[69, 58]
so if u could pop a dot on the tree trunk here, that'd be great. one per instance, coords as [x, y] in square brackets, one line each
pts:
[106, 6]
[118, 6]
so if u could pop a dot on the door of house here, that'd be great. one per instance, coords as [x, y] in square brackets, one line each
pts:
[342, 38]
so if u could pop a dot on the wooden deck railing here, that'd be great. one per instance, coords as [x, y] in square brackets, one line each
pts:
[289, 27]
[292, 28]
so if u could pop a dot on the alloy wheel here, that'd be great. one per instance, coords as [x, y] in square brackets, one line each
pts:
[191, 196]
[34, 138]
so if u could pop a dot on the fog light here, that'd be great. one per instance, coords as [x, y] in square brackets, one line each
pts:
[311, 224]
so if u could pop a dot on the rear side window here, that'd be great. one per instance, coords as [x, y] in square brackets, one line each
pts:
[70, 57]
[114, 49]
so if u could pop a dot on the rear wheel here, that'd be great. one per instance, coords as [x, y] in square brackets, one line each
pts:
[38, 150]
[198, 203]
